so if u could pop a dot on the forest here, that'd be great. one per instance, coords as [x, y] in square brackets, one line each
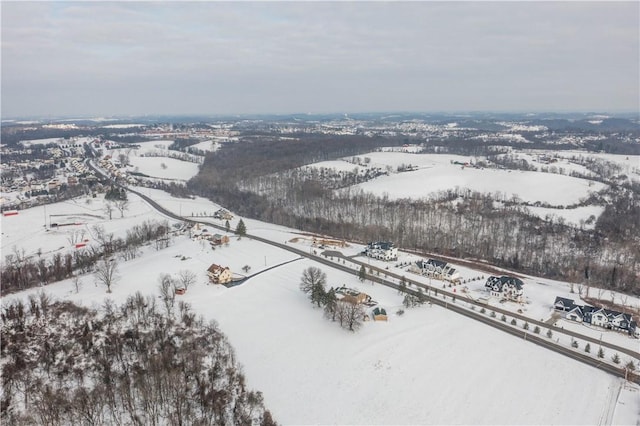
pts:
[134, 364]
[256, 179]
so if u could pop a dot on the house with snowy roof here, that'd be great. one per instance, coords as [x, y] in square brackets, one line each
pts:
[218, 274]
[505, 287]
[600, 317]
[383, 250]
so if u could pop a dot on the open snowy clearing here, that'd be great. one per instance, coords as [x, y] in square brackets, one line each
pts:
[164, 168]
[207, 146]
[437, 173]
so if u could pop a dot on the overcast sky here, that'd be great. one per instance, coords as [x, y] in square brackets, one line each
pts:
[102, 58]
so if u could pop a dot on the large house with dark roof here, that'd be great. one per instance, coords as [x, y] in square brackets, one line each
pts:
[438, 269]
[506, 287]
[383, 250]
[601, 317]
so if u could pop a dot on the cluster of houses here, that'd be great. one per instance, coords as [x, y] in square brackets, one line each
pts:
[383, 250]
[108, 166]
[600, 317]
[435, 268]
[203, 234]
[506, 288]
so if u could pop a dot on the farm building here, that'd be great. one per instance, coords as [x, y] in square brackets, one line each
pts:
[379, 314]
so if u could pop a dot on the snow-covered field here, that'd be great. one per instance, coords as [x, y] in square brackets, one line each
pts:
[429, 366]
[437, 173]
[165, 168]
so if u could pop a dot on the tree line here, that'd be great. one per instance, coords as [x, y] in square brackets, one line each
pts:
[20, 271]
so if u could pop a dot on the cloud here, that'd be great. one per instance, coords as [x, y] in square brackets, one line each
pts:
[218, 57]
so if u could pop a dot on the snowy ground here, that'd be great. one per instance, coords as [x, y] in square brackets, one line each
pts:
[429, 366]
[435, 173]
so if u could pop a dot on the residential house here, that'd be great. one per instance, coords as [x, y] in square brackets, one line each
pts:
[218, 274]
[505, 287]
[563, 304]
[383, 250]
[600, 317]
[439, 269]
[432, 266]
[352, 296]
[218, 239]
[223, 214]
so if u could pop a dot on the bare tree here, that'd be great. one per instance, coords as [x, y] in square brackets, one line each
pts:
[75, 236]
[122, 206]
[312, 283]
[186, 277]
[105, 240]
[107, 272]
[167, 292]
[312, 277]
[76, 283]
[355, 315]
[108, 208]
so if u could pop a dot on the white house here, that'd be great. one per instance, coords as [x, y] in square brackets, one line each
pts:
[381, 250]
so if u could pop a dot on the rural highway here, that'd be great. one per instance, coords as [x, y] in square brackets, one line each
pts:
[476, 315]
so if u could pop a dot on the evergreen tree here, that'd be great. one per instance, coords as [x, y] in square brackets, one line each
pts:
[362, 274]
[318, 294]
[587, 348]
[536, 330]
[550, 334]
[241, 228]
[330, 304]
[615, 358]
[409, 301]
[227, 225]
[403, 285]
[600, 353]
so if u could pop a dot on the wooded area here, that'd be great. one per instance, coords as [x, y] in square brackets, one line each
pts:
[255, 179]
[64, 364]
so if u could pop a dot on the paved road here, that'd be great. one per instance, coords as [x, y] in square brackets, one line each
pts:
[507, 328]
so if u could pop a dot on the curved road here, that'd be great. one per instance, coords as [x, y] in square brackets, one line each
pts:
[507, 328]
